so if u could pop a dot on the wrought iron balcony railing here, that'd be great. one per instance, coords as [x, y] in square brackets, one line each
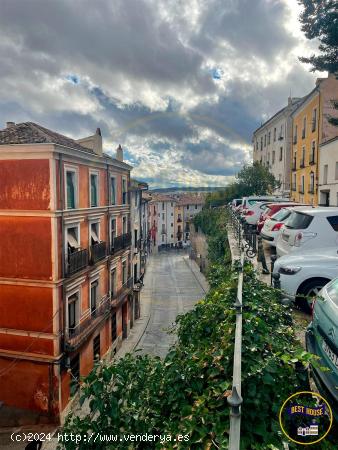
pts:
[98, 251]
[120, 242]
[76, 261]
[75, 336]
[119, 294]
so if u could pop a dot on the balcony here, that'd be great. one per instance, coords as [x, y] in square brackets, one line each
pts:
[76, 261]
[120, 242]
[97, 252]
[179, 220]
[301, 190]
[280, 137]
[311, 189]
[74, 337]
[118, 296]
[302, 163]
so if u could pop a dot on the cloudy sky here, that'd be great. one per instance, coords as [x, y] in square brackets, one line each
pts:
[180, 84]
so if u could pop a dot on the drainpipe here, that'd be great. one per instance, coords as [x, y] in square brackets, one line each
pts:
[108, 224]
[318, 143]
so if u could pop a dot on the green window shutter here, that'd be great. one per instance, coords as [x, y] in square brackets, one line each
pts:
[113, 198]
[70, 191]
[93, 191]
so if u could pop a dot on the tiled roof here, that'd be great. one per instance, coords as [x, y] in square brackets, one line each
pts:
[32, 133]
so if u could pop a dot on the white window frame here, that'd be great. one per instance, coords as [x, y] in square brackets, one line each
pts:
[78, 308]
[90, 223]
[91, 281]
[72, 225]
[125, 217]
[112, 268]
[97, 174]
[75, 170]
[110, 228]
[112, 177]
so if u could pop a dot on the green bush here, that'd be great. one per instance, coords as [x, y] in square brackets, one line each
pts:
[186, 392]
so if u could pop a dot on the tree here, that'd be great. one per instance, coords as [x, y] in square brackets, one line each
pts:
[319, 19]
[256, 179]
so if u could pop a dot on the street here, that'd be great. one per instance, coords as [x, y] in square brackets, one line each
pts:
[173, 286]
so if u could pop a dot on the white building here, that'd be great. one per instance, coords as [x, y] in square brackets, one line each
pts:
[165, 227]
[328, 173]
[272, 143]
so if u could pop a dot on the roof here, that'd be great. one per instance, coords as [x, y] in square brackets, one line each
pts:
[32, 133]
[136, 185]
[162, 198]
[318, 210]
[191, 200]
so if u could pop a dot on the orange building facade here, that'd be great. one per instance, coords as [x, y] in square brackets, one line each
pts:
[66, 286]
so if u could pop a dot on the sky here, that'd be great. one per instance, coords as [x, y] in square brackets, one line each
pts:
[180, 84]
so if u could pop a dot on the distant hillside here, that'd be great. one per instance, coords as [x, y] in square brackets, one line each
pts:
[187, 189]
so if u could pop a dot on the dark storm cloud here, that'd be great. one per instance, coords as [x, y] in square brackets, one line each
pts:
[143, 71]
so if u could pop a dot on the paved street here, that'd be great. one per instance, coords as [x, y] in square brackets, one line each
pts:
[173, 285]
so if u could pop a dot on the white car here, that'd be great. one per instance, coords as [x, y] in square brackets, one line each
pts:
[273, 226]
[254, 206]
[308, 228]
[302, 275]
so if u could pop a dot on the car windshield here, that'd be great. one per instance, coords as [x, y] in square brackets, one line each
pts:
[238, 202]
[281, 215]
[298, 220]
[332, 291]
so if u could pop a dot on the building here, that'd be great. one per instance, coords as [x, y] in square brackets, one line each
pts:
[310, 130]
[272, 143]
[328, 173]
[138, 236]
[189, 206]
[66, 284]
[161, 217]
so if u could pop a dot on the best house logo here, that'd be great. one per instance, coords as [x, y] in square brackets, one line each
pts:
[305, 418]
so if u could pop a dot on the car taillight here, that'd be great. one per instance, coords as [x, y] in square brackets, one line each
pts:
[249, 213]
[277, 227]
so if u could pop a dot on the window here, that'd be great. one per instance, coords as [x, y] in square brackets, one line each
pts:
[135, 273]
[124, 272]
[113, 282]
[298, 221]
[304, 128]
[256, 145]
[274, 134]
[112, 230]
[162, 237]
[93, 296]
[163, 228]
[336, 174]
[326, 169]
[333, 221]
[154, 210]
[162, 216]
[312, 183]
[261, 143]
[269, 137]
[281, 133]
[281, 154]
[112, 190]
[96, 348]
[75, 374]
[179, 219]
[73, 239]
[273, 157]
[93, 190]
[135, 238]
[172, 236]
[302, 184]
[264, 140]
[294, 184]
[136, 198]
[313, 152]
[94, 233]
[124, 225]
[314, 119]
[195, 206]
[113, 327]
[295, 134]
[73, 313]
[71, 189]
[172, 214]
[162, 206]
[171, 224]
[171, 204]
[187, 206]
[302, 161]
[124, 191]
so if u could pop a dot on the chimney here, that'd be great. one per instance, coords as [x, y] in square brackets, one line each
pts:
[93, 142]
[119, 153]
[10, 124]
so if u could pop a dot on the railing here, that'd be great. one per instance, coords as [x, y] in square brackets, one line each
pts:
[179, 220]
[120, 242]
[76, 335]
[76, 261]
[98, 251]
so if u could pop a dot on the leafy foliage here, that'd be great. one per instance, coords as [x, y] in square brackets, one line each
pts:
[253, 179]
[319, 19]
[186, 392]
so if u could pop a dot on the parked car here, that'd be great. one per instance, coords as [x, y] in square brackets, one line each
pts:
[273, 226]
[302, 275]
[271, 209]
[322, 340]
[308, 227]
[254, 209]
[235, 203]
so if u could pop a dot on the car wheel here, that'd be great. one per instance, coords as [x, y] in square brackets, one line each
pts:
[309, 289]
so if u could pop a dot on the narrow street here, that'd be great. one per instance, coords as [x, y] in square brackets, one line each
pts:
[172, 285]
